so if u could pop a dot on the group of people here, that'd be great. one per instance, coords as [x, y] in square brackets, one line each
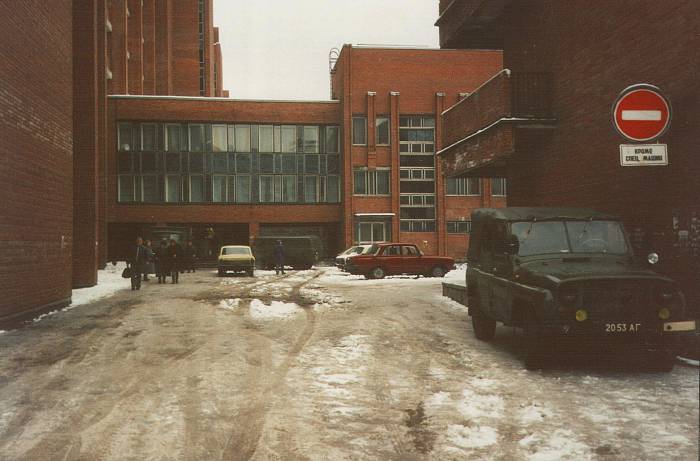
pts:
[170, 259]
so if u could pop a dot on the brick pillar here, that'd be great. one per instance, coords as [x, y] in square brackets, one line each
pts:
[440, 225]
[395, 190]
[371, 128]
[85, 142]
[346, 102]
[120, 63]
[253, 232]
[135, 46]
[163, 47]
[101, 151]
[149, 47]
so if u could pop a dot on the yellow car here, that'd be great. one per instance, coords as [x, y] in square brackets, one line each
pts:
[236, 258]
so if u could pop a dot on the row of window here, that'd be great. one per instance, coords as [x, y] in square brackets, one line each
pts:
[200, 137]
[411, 128]
[229, 188]
[372, 232]
[472, 186]
[193, 162]
[459, 227]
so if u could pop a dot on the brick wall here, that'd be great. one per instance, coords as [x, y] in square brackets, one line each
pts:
[35, 155]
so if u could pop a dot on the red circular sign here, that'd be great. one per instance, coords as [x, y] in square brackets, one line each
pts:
[641, 113]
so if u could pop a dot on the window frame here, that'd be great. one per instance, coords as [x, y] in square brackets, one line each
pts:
[377, 122]
[363, 118]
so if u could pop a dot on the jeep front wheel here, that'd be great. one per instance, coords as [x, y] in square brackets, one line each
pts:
[484, 327]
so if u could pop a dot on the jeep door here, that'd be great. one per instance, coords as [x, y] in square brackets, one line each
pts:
[501, 286]
[484, 266]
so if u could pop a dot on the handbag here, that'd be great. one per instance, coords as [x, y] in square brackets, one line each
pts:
[126, 273]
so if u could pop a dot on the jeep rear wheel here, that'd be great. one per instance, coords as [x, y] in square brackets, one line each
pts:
[378, 273]
[437, 272]
[484, 327]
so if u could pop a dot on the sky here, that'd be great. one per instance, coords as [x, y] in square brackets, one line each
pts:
[278, 49]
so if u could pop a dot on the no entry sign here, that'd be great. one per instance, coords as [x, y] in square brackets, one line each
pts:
[641, 113]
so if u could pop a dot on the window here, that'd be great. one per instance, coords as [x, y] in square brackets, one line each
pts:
[219, 186]
[408, 250]
[172, 188]
[359, 131]
[242, 189]
[219, 138]
[371, 182]
[371, 232]
[417, 174]
[332, 189]
[148, 137]
[266, 189]
[463, 186]
[498, 187]
[172, 138]
[149, 188]
[311, 139]
[289, 138]
[266, 135]
[382, 130]
[196, 188]
[242, 138]
[332, 139]
[125, 137]
[196, 138]
[416, 135]
[310, 189]
[289, 189]
[459, 227]
[126, 188]
[417, 225]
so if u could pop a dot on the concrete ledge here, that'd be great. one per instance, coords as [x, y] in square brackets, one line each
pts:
[16, 319]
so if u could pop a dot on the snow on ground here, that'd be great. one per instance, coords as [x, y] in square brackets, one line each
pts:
[230, 304]
[109, 281]
[275, 310]
[337, 277]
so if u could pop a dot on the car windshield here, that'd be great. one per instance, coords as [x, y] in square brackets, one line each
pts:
[235, 251]
[550, 237]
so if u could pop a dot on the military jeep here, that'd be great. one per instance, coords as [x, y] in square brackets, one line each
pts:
[569, 276]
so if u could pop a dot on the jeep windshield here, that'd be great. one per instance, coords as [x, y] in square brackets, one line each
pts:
[553, 237]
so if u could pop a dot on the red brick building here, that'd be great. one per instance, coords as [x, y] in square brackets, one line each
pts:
[144, 141]
[545, 123]
[60, 61]
[357, 168]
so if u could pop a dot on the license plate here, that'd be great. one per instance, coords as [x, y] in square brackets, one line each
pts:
[623, 327]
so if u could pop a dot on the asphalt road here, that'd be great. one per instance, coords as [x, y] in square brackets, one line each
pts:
[316, 365]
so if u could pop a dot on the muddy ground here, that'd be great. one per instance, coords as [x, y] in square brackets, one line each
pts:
[316, 365]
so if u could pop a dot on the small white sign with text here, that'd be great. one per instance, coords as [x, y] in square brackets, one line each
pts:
[643, 155]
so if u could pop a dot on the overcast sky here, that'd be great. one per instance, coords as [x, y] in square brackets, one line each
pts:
[278, 49]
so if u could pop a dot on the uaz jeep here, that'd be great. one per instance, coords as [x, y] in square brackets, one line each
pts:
[568, 275]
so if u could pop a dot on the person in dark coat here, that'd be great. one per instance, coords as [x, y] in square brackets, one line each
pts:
[160, 261]
[190, 256]
[150, 265]
[138, 258]
[174, 258]
[278, 254]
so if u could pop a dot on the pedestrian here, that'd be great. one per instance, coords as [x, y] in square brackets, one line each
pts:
[174, 257]
[150, 264]
[190, 256]
[161, 265]
[278, 253]
[138, 258]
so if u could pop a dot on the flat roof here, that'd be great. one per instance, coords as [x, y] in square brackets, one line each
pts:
[206, 98]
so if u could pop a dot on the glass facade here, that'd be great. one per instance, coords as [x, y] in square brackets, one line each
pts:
[417, 173]
[228, 163]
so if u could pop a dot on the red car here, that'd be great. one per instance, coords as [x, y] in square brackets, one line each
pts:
[398, 258]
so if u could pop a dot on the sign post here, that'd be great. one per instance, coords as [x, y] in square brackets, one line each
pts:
[641, 114]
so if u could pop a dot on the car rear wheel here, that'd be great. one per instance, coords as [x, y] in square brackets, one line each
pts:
[484, 327]
[250, 272]
[378, 273]
[221, 272]
[437, 272]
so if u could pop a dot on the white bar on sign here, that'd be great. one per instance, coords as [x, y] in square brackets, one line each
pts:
[653, 115]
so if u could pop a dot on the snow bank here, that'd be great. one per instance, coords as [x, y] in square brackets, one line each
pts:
[471, 437]
[109, 281]
[275, 310]
[230, 304]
